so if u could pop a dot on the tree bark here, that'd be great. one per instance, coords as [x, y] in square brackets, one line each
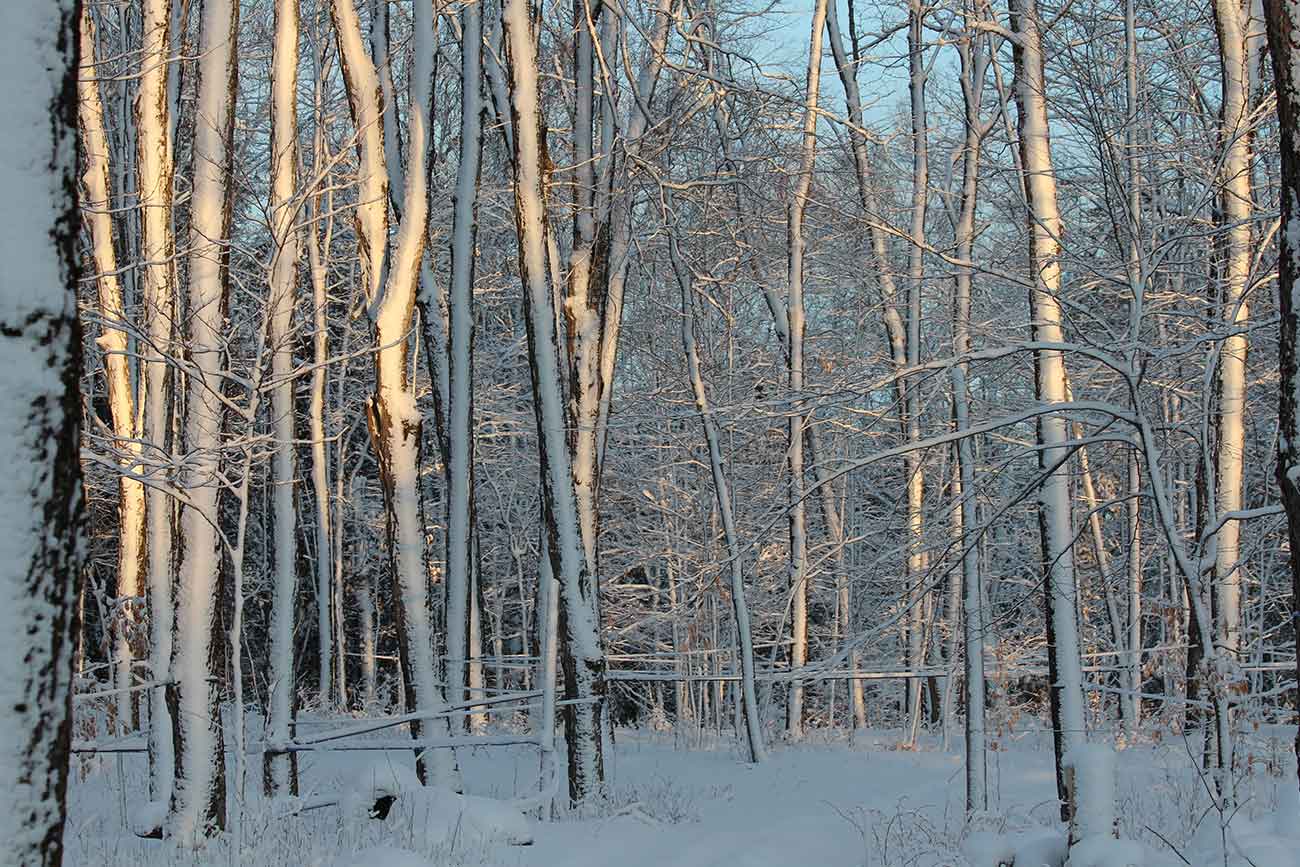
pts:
[278, 774]
[1283, 19]
[795, 442]
[40, 351]
[581, 654]
[460, 349]
[198, 807]
[1044, 224]
[97, 215]
[154, 170]
[392, 413]
[722, 493]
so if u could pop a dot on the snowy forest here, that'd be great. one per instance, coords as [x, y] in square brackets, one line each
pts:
[673, 432]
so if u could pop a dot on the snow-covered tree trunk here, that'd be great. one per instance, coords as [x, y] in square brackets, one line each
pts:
[380, 43]
[326, 591]
[1283, 20]
[975, 57]
[918, 599]
[1133, 645]
[581, 654]
[1132, 704]
[40, 349]
[98, 217]
[584, 303]
[154, 169]
[794, 444]
[198, 805]
[1044, 223]
[392, 413]
[722, 493]
[278, 771]
[1236, 206]
[460, 348]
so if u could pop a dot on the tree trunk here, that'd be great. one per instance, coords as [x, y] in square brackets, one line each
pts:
[916, 560]
[326, 593]
[795, 308]
[1283, 18]
[1235, 167]
[154, 169]
[878, 235]
[97, 215]
[392, 413]
[975, 55]
[198, 806]
[278, 772]
[460, 347]
[722, 493]
[581, 654]
[1044, 223]
[40, 344]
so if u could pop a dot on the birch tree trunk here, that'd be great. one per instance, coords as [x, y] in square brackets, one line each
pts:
[581, 655]
[794, 281]
[198, 805]
[915, 469]
[40, 351]
[97, 214]
[1235, 168]
[392, 413]
[278, 773]
[1044, 223]
[1283, 20]
[154, 169]
[584, 303]
[975, 56]
[460, 347]
[326, 591]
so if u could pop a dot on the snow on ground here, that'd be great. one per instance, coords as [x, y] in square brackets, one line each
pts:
[860, 802]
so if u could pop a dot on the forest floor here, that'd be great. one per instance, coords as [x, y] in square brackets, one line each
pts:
[859, 800]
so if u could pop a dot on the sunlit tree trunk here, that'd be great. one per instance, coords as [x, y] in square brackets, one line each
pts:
[98, 217]
[1236, 206]
[392, 413]
[154, 169]
[915, 468]
[460, 348]
[326, 591]
[198, 806]
[40, 351]
[974, 53]
[794, 281]
[1044, 223]
[580, 651]
[278, 770]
